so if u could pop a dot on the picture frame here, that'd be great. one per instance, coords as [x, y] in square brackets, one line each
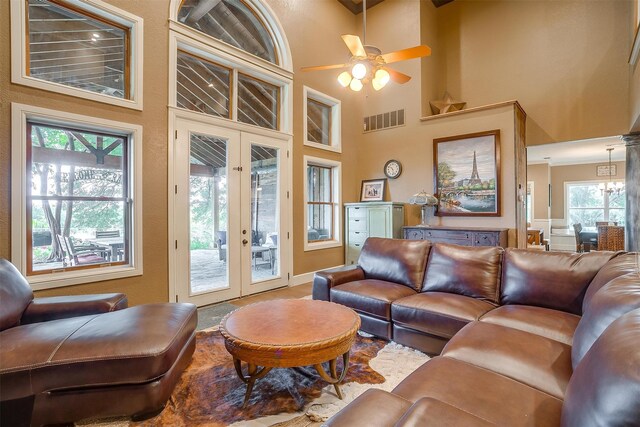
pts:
[466, 174]
[372, 190]
[603, 170]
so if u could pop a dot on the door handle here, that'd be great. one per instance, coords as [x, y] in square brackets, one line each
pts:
[244, 242]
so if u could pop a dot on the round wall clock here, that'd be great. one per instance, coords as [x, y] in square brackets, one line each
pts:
[392, 169]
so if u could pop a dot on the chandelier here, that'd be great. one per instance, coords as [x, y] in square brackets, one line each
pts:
[610, 187]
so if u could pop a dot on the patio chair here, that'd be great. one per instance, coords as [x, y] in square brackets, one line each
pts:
[221, 243]
[81, 255]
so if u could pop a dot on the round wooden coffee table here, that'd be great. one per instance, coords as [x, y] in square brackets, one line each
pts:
[290, 333]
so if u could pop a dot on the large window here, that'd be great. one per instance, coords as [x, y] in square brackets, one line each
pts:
[79, 208]
[78, 48]
[322, 195]
[587, 204]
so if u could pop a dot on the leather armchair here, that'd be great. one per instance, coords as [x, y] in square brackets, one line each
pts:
[63, 359]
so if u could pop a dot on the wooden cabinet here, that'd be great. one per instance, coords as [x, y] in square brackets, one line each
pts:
[469, 236]
[372, 219]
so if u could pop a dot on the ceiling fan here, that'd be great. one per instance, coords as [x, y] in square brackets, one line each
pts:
[369, 64]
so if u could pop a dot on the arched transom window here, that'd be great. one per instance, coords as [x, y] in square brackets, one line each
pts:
[232, 22]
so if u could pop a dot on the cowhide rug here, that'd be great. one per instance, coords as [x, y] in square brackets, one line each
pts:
[210, 394]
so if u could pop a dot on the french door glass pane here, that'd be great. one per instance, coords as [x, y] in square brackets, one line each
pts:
[208, 213]
[265, 215]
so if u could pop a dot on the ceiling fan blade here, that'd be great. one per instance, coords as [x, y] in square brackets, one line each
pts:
[354, 44]
[397, 76]
[324, 67]
[404, 54]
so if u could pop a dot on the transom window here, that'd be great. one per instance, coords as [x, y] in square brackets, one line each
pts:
[203, 86]
[587, 204]
[232, 22]
[258, 102]
[79, 204]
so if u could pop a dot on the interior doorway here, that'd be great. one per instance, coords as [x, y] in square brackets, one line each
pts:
[230, 213]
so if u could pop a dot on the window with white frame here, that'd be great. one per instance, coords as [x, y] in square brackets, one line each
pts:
[77, 199]
[323, 201]
[587, 204]
[321, 120]
[85, 48]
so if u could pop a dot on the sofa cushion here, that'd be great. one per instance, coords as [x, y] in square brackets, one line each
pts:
[531, 359]
[428, 412]
[133, 345]
[482, 393]
[15, 294]
[395, 260]
[549, 279]
[372, 297]
[621, 295]
[554, 324]
[438, 313]
[622, 264]
[605, 387]
[464, 270]
[366, 410]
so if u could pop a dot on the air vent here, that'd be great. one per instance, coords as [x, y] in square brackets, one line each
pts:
[382, 121]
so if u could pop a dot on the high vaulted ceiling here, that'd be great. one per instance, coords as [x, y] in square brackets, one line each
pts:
[355, 6]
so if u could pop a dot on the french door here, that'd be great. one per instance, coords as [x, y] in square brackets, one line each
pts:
[230, 213]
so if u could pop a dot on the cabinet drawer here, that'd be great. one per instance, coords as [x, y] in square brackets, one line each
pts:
[413, 234]
[357, 236]
[357, 224]
[446, 234]
[485, 239]
[356, 212]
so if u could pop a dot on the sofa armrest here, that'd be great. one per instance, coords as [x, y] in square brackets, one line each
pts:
[324, 280]
[53, 308]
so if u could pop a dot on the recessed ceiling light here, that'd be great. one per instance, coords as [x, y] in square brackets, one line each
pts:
[96, 35]
[93, 39]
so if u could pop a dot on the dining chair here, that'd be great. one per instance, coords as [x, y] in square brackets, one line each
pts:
[577, 228]
[610, 238]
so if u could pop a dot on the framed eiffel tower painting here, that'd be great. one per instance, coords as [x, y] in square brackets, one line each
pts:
[467, 174]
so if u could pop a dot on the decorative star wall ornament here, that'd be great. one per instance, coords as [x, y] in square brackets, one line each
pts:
[446, 105]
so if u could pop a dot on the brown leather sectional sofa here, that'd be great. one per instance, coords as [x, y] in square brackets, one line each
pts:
[64, 359]
[523, 338]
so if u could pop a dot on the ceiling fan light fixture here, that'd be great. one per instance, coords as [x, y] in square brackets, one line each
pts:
[355, 85]
[359, 71]
[380, 79]
[344, 78]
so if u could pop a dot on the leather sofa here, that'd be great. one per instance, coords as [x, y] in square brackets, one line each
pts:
[522, 337]
[64, 359]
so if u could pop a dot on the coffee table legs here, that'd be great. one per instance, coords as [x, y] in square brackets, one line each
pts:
[333, 377]
[253, 374]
